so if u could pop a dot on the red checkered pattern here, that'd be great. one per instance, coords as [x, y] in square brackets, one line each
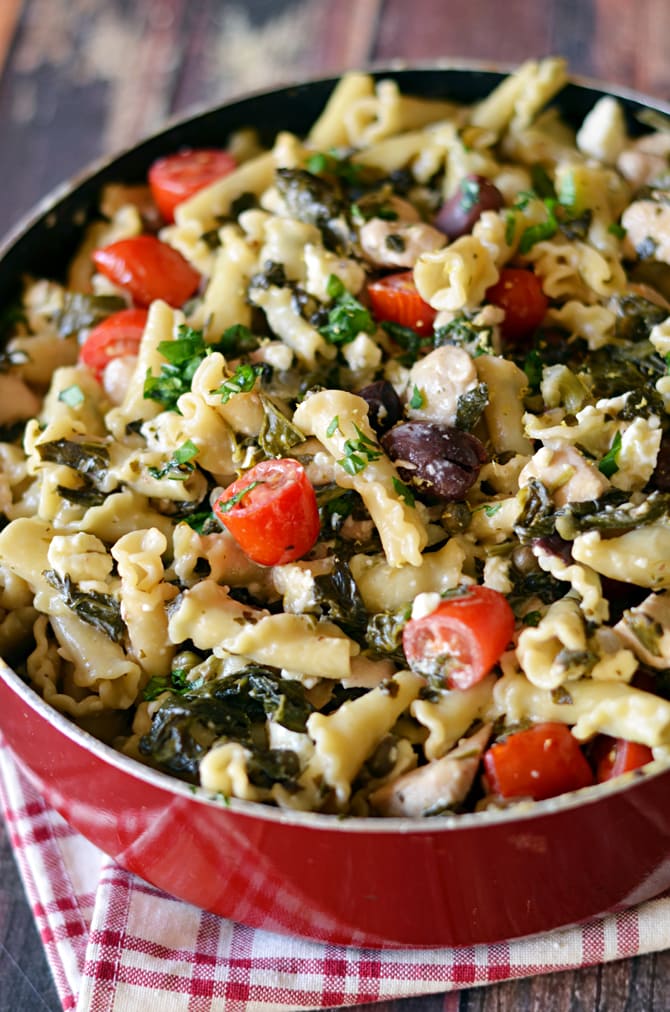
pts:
[116, 944]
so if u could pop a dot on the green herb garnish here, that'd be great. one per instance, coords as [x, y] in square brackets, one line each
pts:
[242, 381]
[180, 465]
[225, 506]
[73, 396]
[347, 317]
[403, 491]
[609, 464]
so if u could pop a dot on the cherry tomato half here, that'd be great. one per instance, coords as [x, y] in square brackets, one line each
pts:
[120, 334]
[614, 756]
[271, 511]
[394, 299]
[149, 269]
[177, 177]
[519, 293]
[539, 763]
[462, 639]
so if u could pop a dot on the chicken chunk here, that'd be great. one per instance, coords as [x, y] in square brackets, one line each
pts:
[438, 785]
[647, 224]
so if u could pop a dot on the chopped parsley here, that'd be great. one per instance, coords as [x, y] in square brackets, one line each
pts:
[333, 426]
[241, 382]
[617, 230]
[417, 398]
[347, 317]
[403, 491]
[73, 396]
[609, 464]
[180, 465]
[226, 505]
[358, 453]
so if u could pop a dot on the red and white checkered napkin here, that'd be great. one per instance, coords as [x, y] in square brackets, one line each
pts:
[116, 944]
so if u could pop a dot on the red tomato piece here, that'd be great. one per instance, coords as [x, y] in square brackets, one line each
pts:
[120, 334]
[271, 511]
[462, 639]
[394, 299]
[614, 756]
[539, 763]
[177, 177]
[149, 269]
[519, 293]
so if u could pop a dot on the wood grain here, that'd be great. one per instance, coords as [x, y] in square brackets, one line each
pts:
[85, 77]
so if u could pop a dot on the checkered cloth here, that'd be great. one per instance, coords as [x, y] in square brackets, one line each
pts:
[116, 944]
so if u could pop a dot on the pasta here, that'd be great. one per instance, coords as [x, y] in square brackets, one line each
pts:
[369, 485]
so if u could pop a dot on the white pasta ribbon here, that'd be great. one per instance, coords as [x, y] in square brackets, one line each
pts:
[449, 716]
[214, 621]
[344, 739]
[640, 556]
[457, 276]
[596, 707]
[144, 594]
[288, 324]
[161, 325]
[545, 653]
[383, 586]
[401, 530]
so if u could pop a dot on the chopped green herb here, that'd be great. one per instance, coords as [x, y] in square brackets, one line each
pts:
[334, 426]
[532, 618]
[278, 435]
[543, 230]
[510, 227]
[225, 506]
[617, 230]
[417, 399]
[609, 464]
[242, 381]
[359, 453]
[179, 467]
[73, 396]
[346, 317]
[403, 491]
[331, 163]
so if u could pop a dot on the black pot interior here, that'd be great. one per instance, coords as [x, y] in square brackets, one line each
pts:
[45, 247]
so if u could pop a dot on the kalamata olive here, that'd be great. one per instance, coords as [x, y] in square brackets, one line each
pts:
[384, 405]
[435, 459]
[473, 195]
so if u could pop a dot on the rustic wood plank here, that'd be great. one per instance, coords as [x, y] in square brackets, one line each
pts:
[630, 44]
[10, 11]
[424, 29]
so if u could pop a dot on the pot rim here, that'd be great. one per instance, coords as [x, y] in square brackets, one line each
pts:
[520, 812]
[63, 189]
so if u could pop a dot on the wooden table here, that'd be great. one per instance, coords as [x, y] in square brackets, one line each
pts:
[82, 78]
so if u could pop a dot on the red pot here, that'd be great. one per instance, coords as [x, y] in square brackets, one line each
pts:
[383, 882]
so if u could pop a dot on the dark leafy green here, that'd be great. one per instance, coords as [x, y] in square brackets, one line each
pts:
[99, 610]
[470, 406]
[339, 598]
[81, 311]
[188, 723]
[278, 434]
